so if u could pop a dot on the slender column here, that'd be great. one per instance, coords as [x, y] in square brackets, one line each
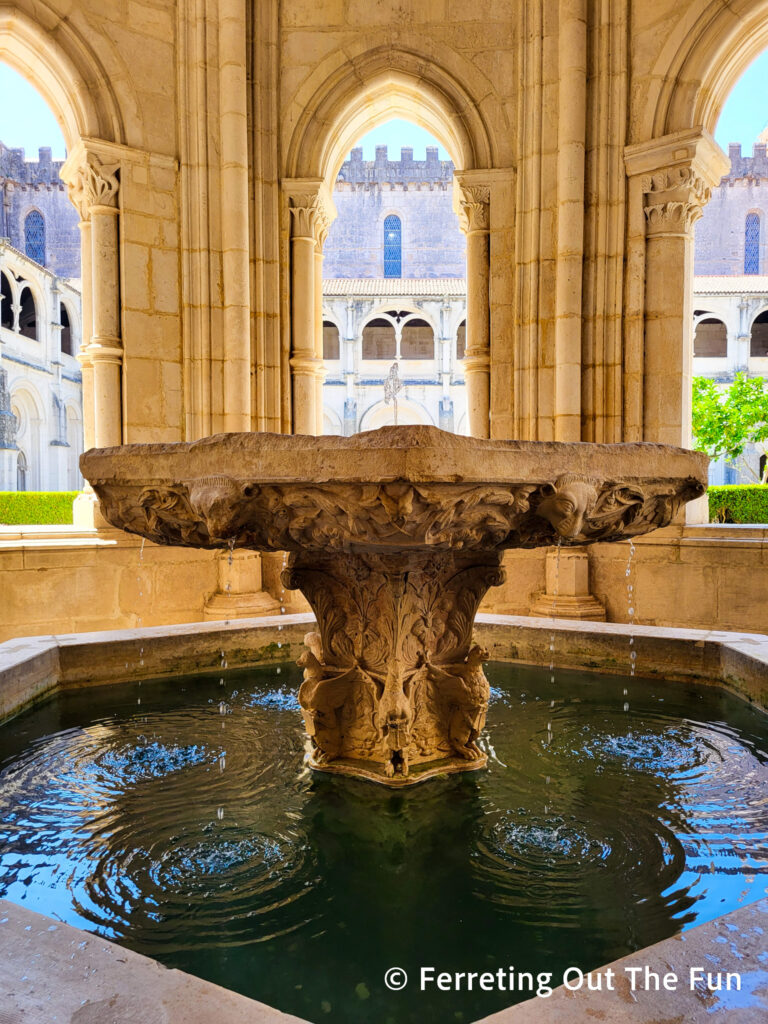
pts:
[676, 174]
[320, 373]
[94, 189]
[311, 212]
[571, 137]
[474, 202]
[89, 436]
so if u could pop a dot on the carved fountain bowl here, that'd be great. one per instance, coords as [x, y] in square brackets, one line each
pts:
[390, 489]
[394, 538]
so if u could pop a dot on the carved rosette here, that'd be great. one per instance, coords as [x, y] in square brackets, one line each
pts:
[674, 200]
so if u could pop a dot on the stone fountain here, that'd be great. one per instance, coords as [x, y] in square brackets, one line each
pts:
[394, 537]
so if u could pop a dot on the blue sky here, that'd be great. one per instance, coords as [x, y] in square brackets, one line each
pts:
[397, 133]
[25, 119]
[745, 113]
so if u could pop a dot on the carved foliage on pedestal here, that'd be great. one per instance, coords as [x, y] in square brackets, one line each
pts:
[390, 677]
[217, 511]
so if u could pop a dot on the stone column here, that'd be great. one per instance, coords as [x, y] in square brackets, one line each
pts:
[474, 214]
[94, 190]
[676, 174]
[311, 212]
[739, 360]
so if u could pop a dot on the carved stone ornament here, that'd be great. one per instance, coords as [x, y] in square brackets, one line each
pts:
[94, 184]
[674, 200]
[394, 537]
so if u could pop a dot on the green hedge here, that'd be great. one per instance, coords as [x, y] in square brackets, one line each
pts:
[30, 508]
[738, 503]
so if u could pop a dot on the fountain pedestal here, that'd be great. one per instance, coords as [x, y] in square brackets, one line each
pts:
[393, 688]
[394, 536]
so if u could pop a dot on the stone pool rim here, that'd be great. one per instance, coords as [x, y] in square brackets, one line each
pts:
[33, 668]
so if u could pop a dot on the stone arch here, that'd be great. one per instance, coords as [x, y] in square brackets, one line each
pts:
[331, 338]
[758, 336]
[331, 422]
[8, 299]
[408, 412]
[710, 340]
[706, 53]
[342, 102]
[29, 314]
[29, 410]
[59, 62]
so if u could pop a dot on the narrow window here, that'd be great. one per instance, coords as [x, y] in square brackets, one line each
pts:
[752, 244]
[34, 237]
[66, 331]
[393, 247]
[461, 339]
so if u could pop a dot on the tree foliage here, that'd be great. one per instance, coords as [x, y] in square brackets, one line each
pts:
[726, 420]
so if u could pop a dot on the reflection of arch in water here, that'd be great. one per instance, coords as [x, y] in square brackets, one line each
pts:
[408, 413]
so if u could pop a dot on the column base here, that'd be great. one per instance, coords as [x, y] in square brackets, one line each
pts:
[239, 606]
[373, 772]
[546, 606]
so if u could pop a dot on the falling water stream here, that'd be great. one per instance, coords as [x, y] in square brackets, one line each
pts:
[190, 830]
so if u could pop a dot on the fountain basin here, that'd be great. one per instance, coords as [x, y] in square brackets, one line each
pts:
[394, 537]
[76, 661]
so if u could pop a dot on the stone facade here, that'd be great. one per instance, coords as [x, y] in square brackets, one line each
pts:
[413, 309]
[40, 377]
[30, 187]
[731, 288]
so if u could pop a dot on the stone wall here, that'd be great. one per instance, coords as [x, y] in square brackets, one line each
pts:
[419, 192]
[29, 185]
[720, 233]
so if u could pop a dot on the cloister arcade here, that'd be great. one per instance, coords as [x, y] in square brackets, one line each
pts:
[582, 141]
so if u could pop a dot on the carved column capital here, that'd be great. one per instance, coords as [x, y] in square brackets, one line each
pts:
[311, 208]
[92, 183]
[675, 174]
[673, 199]
[474, 205]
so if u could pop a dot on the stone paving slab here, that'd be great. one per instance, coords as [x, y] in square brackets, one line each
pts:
[736, 943]
[51, 973]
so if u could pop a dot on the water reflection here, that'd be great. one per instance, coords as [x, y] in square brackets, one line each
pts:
[198, 837]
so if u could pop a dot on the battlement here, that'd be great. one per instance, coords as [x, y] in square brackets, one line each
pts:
[43, 171]
[404, 171]
[754, 168]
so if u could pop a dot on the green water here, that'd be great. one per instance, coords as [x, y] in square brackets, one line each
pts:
[613, 814]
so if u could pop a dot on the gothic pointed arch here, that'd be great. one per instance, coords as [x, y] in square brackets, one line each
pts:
[382, 83]
[58, 60]
[705, 54]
